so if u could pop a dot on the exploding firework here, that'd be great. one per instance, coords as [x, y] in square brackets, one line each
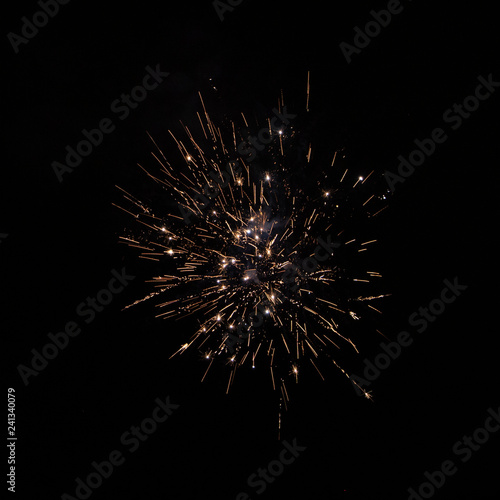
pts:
[257, 239]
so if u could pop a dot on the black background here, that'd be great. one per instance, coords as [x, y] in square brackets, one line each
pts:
[62, 245]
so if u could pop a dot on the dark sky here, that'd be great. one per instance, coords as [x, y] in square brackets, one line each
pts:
[59, 245]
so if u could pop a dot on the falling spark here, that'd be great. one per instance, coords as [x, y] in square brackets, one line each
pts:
[264, 259]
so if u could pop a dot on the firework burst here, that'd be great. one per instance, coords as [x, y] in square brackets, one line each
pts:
[258, 240]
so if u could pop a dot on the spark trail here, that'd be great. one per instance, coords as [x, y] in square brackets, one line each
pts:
[259, 244]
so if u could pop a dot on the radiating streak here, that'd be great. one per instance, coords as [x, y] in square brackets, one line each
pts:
[235, 258]
[307, 91]
[317, 369]
[205, 374]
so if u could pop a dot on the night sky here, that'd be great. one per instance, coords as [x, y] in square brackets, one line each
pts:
[59, 245]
